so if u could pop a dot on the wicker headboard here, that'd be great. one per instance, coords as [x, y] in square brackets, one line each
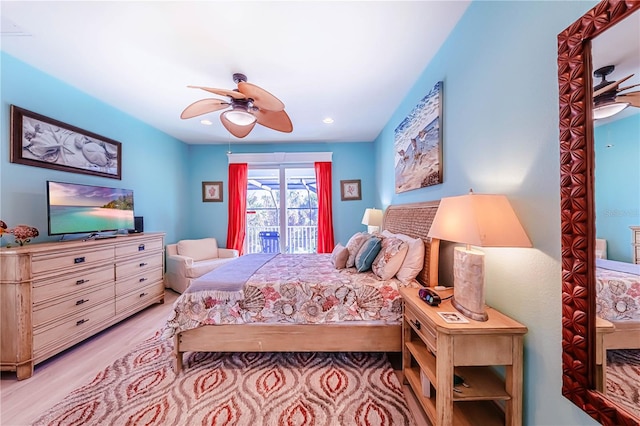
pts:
[415, 220]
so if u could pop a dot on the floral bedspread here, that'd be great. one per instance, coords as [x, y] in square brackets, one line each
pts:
[295, 288]
[618, 295]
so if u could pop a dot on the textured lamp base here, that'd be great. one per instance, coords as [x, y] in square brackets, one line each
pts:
[477, 316]
[468, 283]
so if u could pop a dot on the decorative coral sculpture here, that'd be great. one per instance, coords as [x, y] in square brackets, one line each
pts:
[22, 233]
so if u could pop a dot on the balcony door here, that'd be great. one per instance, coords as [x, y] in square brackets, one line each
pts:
[282, 209]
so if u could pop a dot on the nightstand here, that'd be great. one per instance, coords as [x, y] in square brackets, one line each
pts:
[440, 349]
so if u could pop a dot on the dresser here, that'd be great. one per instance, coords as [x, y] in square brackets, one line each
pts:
[54, 295]
[450, 369]
[635, 243]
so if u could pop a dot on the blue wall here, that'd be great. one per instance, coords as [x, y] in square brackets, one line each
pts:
[617, 179]
[350, 161]
[154, 164]
[500, 135]
[499, 68]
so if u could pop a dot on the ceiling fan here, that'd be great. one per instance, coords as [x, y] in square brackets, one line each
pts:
[248, 105]
[607, 97]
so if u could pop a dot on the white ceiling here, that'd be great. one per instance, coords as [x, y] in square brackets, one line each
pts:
[351, 60]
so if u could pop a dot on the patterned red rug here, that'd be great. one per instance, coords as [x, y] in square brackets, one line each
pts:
[623, 378]
[237, 389]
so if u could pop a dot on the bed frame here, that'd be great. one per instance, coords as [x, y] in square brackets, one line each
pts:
[413, 220]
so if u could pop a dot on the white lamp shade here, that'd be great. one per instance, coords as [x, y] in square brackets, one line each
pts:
[480, 220]
[372, 217]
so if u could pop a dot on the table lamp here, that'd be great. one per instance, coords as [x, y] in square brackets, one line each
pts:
[475, 220]
[373, 219]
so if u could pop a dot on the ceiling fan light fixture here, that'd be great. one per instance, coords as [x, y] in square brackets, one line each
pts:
[240, 117]
[608, 110]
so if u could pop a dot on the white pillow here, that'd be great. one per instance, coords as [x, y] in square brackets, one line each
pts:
[413, 261]
[388, 261]
[202, 249]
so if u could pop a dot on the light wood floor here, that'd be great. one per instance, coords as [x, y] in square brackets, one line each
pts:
[21, 402]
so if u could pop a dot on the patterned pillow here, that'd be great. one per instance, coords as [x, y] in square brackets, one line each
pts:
[388, 262]
[354, 245]
[339, 256]
[367, 254]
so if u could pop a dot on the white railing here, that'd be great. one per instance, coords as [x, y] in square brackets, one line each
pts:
[300, 239]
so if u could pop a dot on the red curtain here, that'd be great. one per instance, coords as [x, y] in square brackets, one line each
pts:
[325, 211]
[237, 206]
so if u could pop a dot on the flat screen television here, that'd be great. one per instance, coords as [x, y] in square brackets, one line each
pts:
[80, 209]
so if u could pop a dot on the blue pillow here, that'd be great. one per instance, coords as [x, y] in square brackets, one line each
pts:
[367, 254]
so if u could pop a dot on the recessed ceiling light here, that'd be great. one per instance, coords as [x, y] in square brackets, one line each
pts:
[206, 122]
[328, 120]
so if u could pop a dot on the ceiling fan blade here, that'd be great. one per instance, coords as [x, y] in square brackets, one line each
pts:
[611, 86]
[276, 120]
[622, 89]
[234, 129]
[222, 92]
[261, 98]
[633, 98]
[203, 106]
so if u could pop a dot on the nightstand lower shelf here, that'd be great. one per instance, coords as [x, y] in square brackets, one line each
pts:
[465, 413]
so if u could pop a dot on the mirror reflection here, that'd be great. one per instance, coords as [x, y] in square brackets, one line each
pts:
[616, 79]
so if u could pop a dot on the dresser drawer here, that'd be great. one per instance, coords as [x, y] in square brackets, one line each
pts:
[151, 245]
[52, 288]
[74, 325]
[423, 327]
[70, 259]
[134, 283]
[142, 296]
[141, 264]
[70, 306]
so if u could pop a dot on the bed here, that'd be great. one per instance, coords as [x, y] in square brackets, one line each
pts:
[618, 311]
[261, 330]
[618, 301]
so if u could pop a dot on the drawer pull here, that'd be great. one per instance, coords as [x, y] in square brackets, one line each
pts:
[78, 260]
[82, 281]
[82, 321]
[143, 294]
[415, 323]
[141, 247]
[141, 280]
[81, 301]
[143, 264]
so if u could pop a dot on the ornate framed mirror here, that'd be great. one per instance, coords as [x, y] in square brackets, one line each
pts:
[578, 211]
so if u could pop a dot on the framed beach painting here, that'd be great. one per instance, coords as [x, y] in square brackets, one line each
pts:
[418, 144]
[41, 141]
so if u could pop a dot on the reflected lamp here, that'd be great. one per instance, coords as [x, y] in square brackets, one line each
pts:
[480, 220]
[373, 219]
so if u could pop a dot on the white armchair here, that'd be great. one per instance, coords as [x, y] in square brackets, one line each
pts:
[190, 259]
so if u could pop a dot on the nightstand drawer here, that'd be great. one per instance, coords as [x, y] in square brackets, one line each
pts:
[424, 329]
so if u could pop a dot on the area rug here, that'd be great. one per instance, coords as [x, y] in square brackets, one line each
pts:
[623, 378]
[237, 389]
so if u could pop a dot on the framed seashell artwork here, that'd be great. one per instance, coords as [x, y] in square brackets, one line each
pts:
[41, 141]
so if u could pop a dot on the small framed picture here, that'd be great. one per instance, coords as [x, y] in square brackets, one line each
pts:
[453, 317]
[211, 191]
[350, 190]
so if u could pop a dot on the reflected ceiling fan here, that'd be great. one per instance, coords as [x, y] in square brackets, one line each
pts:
[608, 98]
[248, 105]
